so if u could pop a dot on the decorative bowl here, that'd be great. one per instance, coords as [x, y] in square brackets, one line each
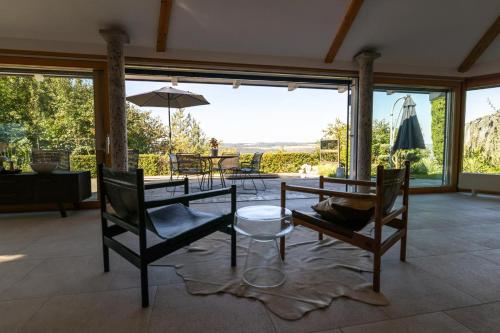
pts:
[44, 167]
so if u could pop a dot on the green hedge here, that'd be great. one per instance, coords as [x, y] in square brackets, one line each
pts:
[283, 162]
[84, 163]
[155, 165]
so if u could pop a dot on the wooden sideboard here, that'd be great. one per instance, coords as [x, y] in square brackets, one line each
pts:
[59, 187]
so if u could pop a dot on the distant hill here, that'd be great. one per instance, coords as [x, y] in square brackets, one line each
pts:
[250, 147]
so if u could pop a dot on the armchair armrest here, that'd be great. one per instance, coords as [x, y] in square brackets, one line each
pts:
[185, 198]
[348, 181]
[392, 215]
[331, 193]
[172, 183]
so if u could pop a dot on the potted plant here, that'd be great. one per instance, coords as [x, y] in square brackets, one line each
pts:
[214, 147]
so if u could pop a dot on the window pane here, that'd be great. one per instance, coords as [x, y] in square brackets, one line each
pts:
[482, 131]
[50, 119]
[413, 125]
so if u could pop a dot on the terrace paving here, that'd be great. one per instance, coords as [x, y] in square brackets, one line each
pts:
[273, 187]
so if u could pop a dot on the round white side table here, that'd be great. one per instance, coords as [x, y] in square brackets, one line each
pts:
[264, 225]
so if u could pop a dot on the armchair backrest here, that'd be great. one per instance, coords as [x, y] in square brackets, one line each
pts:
[61, 157]
[188, 163]
[256, 161]
[133, 159]
[174, 166]
[389, 184]
[229, 162]
[124, 191]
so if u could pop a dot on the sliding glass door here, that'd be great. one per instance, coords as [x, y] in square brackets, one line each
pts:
[413, 124]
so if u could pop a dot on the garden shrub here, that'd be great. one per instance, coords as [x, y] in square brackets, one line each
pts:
[84, 163]
[152, 164]
[155, 165]
[283, 162]
[418, 168]
[327, 169]
[438, 124]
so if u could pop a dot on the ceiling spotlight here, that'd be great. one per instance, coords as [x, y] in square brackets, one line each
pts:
[174, 81]
[236, 84]
[292, 86]
[341, 89]
[38, 77]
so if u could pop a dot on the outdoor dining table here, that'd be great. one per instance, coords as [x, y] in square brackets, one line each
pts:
[210, 164]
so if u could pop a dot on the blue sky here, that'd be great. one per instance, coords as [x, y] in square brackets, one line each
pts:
[476, 102]
[258, 114]
[274, 114]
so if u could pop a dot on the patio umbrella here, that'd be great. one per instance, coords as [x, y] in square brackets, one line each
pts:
[170, 98]
[409, 133]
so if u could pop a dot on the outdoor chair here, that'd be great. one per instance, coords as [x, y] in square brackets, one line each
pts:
[170, 219]
[61, 157]
[252, 170]
[191, 164]
[133, 159]
[389, 184]
[174, 167]
[228, 165]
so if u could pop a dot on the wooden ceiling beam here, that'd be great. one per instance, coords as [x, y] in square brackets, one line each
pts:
[481, 46]
[163, 23]
[350, 15]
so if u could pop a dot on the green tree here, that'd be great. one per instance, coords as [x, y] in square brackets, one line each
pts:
[58, 113]
[67, 120]
[381, 142]
[146, 133]
[338, 131]
[187, 135]
[54, 113]
[438, 123]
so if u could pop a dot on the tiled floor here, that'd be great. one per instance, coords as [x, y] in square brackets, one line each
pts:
[51, 280]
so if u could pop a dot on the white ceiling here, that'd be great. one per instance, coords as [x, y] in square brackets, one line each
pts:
[413, 36]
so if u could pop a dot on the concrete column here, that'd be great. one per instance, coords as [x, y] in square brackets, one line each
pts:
[115, 39]
[365, 113]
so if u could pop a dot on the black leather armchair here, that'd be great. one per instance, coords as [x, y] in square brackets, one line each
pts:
[123, 209]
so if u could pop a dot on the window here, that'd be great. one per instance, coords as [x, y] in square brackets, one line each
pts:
[413, 124]
[482, 131]
[48, 112]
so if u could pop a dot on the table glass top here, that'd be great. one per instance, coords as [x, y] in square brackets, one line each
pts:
[263, 222]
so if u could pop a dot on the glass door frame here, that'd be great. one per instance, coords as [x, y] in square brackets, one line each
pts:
[454, 87]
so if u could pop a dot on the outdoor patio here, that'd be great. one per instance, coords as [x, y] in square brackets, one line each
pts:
[51, 279]
[272, 188]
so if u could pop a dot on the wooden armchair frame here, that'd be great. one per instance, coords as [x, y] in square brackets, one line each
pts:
[396, 219]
